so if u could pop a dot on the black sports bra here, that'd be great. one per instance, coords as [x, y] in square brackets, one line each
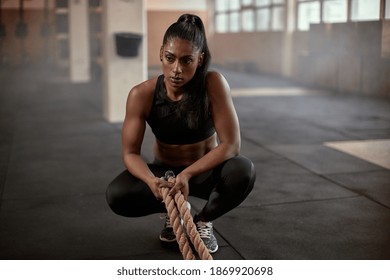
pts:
[166, 124]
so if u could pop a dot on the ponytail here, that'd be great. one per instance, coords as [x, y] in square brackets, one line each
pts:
[195, 105]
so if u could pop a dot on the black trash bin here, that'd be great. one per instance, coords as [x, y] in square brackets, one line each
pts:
[127, 44]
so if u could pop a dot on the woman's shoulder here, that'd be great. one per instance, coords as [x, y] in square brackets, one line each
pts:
[141, 95]
[216, 82]
[145, 88]
[213, 74]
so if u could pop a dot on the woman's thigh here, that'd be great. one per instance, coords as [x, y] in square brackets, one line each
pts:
[129, 196]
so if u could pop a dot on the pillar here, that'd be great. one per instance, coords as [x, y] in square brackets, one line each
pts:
[120, 73]
[79, 41]
[287, 65]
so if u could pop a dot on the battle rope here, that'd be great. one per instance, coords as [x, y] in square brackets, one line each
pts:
[176, 208]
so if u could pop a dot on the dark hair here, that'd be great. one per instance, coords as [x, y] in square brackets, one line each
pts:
[195, 104]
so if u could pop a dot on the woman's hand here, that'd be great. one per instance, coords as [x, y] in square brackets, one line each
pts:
[180, 184]
[156, 184]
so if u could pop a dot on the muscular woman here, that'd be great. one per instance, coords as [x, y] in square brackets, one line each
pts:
[197, 136]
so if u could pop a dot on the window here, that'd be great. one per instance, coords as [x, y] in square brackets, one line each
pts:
[234, 22]
[248, 21]
[221, 5]
[308, 12]
[365, 10]
[221, 23]
[249, 15]
[247, 2]
[262, 3]
[263, 17]
[335, 11]
[278, 14]
[234, 4]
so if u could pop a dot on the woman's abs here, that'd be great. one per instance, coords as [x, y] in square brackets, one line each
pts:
[183, 155]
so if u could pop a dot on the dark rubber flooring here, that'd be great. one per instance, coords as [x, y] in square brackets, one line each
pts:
[57, 154]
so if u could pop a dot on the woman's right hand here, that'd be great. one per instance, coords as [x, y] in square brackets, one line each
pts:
[156, 184]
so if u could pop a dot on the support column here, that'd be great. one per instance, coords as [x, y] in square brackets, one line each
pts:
[122, 73]
[287, 64]
[79, 41]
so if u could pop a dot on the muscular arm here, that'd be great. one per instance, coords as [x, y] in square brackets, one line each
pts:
[133, 130]
[227, 127]
[225, 122]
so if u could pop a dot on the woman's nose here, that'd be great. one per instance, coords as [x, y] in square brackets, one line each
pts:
[177, 67]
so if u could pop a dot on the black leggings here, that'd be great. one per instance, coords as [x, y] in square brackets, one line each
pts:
[224, 188]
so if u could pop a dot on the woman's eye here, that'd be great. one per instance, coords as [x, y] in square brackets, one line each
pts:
[169, 58]
[188, 61]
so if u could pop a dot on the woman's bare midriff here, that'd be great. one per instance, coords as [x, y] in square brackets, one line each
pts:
[183, 155]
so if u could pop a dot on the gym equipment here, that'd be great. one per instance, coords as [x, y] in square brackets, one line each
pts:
[177, 210]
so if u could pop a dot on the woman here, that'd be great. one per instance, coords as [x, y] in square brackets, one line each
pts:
[192, 116]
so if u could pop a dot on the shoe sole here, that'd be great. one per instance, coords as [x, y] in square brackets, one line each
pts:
[213, 251]
[174, 240]
[167, 240]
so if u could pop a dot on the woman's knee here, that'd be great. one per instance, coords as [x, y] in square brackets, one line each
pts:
[130, 197]
[119, 194]
[239, 173]
[115, 197]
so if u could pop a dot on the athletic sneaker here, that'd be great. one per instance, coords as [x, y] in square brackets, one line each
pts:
[206, 233]
[167, 234]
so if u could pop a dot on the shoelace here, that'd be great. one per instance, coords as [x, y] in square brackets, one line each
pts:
[204, 229]
[167, 220]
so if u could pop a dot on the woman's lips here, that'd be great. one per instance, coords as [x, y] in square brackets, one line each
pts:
[176, 80]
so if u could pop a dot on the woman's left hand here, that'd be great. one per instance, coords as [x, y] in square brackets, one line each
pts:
[180, 184]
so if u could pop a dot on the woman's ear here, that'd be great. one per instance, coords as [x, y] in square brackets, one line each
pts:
[161, 53]
[201, 58]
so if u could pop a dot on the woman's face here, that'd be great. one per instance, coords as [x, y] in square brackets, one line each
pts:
[180, 59]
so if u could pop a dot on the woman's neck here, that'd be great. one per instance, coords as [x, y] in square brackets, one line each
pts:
[174, 94]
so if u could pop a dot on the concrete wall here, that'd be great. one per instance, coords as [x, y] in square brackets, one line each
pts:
[261, 51]
[346, 57]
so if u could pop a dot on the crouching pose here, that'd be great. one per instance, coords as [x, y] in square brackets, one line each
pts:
[197, 136]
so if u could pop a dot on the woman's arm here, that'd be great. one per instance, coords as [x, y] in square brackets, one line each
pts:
[227, 128]
[137, 106]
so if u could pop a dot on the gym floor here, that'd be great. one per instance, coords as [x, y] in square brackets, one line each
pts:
[322, 188]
